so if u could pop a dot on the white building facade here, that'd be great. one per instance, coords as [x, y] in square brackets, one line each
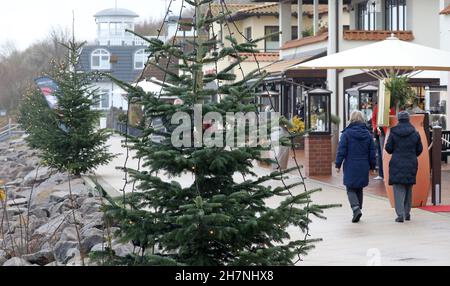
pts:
[353, 23]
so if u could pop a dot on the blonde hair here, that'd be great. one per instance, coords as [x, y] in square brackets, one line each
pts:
[357, 117]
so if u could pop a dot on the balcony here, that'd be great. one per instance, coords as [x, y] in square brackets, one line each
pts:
[122, 41]
[376, 35]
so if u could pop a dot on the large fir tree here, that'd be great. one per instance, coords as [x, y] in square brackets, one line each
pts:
[67, 136]
[219, 219]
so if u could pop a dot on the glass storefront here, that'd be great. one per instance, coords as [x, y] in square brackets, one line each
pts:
[361, 97]
[437, 105]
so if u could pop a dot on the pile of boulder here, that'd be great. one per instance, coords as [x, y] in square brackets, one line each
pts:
[43, 221]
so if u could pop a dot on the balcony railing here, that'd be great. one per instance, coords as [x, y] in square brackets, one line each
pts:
[123, 41]
[376, 35]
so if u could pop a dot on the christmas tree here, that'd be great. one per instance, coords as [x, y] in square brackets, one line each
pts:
[222, 217]
[66, 135]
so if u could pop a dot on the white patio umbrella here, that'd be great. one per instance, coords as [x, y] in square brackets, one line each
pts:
[385, 56]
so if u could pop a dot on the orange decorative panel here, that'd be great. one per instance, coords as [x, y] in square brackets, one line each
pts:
[376, 35]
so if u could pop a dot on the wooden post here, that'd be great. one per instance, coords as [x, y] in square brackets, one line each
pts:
[436, 163]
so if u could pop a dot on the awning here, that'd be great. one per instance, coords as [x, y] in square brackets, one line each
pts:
[282, 66]
[364, 87]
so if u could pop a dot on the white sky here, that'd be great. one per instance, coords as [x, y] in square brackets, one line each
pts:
[26, 21]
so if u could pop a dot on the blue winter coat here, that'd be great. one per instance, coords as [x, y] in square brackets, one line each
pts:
[405, 145]
[357, 152]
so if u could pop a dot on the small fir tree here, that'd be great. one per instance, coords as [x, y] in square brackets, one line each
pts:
[67, 135]
[218, 219]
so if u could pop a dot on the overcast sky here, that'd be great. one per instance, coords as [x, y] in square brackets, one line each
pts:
[26, 21]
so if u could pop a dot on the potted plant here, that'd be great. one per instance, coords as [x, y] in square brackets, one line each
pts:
[297, 129]
[401, 92]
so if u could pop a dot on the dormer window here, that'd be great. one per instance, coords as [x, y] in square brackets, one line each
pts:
[140, 59]
[101, 60]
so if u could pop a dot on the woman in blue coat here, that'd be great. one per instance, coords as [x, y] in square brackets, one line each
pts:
[357, 153]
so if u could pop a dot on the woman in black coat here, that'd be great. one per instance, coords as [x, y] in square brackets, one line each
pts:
[357, 153]
[405, 145]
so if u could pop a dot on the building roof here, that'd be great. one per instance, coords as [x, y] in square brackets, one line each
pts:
[260, 57]
[283, 65]
[304, 1]
[446, 11]
[240, 11]
[272, 9]
[116, 12]
[306, 41]
[216, 9]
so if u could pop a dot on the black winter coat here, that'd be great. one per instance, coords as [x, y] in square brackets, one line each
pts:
[405, 145]
[357, 153]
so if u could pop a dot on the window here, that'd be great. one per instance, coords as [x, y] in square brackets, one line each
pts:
[366, 16]
[116, 29]
[140, 59]
[273, 42]
[294, 33]
[395, 17]
[248, 33]
[100, 59]
[103, 29]
[104, 98]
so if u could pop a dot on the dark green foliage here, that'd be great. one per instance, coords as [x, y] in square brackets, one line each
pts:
[223, 217]
[66, 136]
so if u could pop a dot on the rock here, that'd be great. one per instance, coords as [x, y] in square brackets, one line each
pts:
[93, 220]
[54, 263]
[55, 209]
[3, 257]
[17, 211]
[40, 213]
[22, 173]
[92, 237]
[14, 242]
[89, 208]
[69, 234]
[23, 193]
[69, 217]
[76, 260]
[99, 247]
[42, 257]
[73, 257]
[16, 261]
[59, 196]
[33, 222]
[122, 249]
[42, 175]
[16, 182]
[45, 193]
[61, 250]
[58, 178]
[49, 228]
[17, 202]
[68, 204]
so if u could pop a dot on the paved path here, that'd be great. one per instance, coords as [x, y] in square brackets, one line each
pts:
[377, 239]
